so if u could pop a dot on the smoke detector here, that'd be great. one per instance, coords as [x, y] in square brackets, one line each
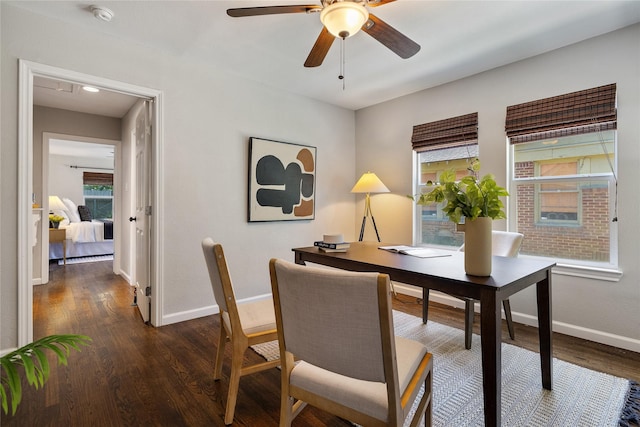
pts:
[102, 13]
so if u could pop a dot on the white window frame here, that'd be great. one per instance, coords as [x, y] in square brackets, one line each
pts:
[602, 271]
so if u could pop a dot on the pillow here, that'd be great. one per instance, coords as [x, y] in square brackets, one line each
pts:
[72, 210]
[85, 213]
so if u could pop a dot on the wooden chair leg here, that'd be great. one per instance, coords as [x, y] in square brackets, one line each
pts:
[468, 322]
[217, 369]
[507, 314]
[234, 382]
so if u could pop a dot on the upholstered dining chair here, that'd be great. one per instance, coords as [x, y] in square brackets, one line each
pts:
[503, 243]
[242, 324]
[338, 326]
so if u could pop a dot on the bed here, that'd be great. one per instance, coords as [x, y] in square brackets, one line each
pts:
[85, 236]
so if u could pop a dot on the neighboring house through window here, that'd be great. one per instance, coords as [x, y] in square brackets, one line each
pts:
[563, 180]
[98, 194]
[441, 145]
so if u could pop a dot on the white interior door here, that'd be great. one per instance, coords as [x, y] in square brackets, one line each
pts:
[143, 213]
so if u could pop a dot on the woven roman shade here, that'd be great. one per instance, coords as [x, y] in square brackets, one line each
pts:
[97, 178]
[574, 113]
[447, 133]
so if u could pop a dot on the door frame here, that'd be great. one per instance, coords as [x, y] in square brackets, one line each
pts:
[26, 73]
[117, 184]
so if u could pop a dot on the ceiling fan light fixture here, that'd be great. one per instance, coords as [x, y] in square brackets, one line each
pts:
[344, 18]
[102, 13]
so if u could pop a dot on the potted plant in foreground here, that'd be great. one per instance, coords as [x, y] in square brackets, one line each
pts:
[35, 363]
[478, 201]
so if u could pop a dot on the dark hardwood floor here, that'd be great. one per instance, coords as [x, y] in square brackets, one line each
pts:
[138, 375]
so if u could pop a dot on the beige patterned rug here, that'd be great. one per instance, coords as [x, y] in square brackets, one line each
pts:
[580, 397]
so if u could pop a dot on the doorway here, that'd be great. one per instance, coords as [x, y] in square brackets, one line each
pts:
[67, 162]
[27, 72]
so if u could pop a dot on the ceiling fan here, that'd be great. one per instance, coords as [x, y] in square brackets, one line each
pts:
[341, 19]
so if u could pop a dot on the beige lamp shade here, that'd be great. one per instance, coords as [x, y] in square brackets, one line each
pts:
[369, 183]
[55, 204]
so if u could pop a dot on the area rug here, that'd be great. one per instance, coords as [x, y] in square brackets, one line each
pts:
[82, 260]
[580, 397]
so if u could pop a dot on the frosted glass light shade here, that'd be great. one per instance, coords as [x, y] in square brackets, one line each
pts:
[344, 19]
[369, 183]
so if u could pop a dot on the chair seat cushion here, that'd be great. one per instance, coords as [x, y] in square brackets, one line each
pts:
[257, 316]
[365, 396]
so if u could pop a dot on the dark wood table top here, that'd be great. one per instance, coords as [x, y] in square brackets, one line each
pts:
[508, 275]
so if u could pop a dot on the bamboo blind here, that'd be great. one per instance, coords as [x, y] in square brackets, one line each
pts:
[97, 178]
[447, 133]
[574, 113]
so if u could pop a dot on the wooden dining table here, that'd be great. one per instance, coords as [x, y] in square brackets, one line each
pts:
[446, 274]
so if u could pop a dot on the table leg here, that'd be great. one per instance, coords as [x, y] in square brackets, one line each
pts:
[64, 251]
[543, 293]
[425, 305]
[491, 340]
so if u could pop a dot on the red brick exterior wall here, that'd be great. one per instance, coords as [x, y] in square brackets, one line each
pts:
[586, 240]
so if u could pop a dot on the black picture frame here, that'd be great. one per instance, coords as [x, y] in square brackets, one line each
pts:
[282, 181]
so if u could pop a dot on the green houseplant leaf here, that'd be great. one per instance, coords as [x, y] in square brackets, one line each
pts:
[470, 197]
[35, 365]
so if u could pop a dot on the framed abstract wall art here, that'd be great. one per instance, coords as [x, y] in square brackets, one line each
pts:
[282, 181]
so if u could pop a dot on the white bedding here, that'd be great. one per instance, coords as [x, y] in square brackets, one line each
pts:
[81, 249]
[85, 231]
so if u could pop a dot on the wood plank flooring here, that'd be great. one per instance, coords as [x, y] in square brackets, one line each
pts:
[138, 375]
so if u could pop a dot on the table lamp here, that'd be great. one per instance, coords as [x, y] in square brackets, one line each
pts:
[369, 183]
[55, 204]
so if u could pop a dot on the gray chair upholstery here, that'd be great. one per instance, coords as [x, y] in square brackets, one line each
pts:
[242, 324]
[338, 327]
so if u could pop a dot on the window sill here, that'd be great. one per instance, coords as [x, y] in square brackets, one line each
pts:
[606, 274]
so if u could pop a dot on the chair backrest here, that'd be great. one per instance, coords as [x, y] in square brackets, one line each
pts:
[219, 275]
[337, 320]
[504, 243]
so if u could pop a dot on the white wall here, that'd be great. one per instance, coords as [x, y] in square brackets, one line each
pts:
[601, 310]
[209, 116]
[65, 181]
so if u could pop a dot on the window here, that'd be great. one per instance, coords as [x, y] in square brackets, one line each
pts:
[439, 146]
[563, 180]
[98, 194]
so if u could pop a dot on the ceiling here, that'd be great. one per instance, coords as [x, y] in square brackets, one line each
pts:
[63, 147]
[457, 38]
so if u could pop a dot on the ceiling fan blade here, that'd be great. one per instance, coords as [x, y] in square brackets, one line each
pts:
[376, 3]
[402, 45]
[271, 10]
[320, 49]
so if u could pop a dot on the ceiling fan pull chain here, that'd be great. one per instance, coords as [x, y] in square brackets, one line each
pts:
[341, 76]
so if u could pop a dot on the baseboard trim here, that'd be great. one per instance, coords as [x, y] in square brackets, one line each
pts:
[526, 319]
[183, 316]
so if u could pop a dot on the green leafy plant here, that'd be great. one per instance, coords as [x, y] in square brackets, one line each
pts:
[471, 197]
[35, 364]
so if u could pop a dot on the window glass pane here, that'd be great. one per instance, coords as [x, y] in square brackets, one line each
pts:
[585, 236]
[435, 227]
[563, 189]
[100, 208]
[99, 200]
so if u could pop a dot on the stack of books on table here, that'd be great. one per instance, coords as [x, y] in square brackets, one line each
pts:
[332, 247]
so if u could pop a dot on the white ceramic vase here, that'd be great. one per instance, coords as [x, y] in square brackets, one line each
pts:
[477, 246]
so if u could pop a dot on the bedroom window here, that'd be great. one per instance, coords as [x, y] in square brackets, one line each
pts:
[563, 181]
[439, 146]
[98, 194]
